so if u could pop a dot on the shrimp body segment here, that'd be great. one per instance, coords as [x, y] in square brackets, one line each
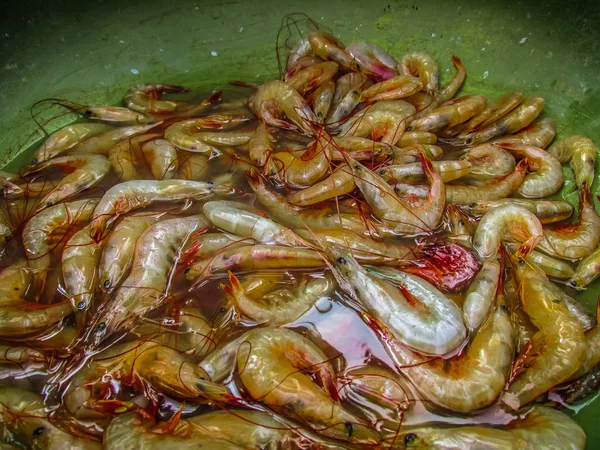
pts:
[145, 98]
[424, 66]
[67, 137]
[581, 154]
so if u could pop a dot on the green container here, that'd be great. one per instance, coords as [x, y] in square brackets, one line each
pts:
[93, 51]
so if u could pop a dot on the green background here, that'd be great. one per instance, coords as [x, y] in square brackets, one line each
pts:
[93, 51]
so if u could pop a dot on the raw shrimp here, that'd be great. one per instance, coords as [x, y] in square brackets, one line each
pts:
[346, 97]
[577, 390]
[574, 241]
[360, 148]
[249, 225]
[80, 259]
[103, 143]
[417, 314]
[507, 222]
[450, 114]
[494, 111]
[547, 175]
[301, 49]
[548, 211]
[67, 137]
[481, 294]
[19, 319]
[276, 98]
[209, 244]
[282, 305]
[539, 134]
[554, 268]
[587, 271]
[116, 115]
[322, 99]
[84, 172]
[161, 156]
[416, 137]
[339, 183]
[147, 286]
[14, 283]
[273, 364]
[555, 351]
[424, 66]
[186, 134]
[192, 166]
[461, 226]
[119, 247]
[126, 156]
[17, 363]
[313, 76]
[392, 89]
[372, 60]
[45, 230]
[131, 195]
[329, 48]
[145, 98]
[261, 144]
[413, 172]
[411, 153]
[487, 162]
[420, 100]
[582, 153]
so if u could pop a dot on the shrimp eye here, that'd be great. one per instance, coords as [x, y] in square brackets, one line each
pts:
[223, 310]
[573, 283]
[473, 205]
[342, 260]
[521, 262]
[101, 327]
[504, 308]
[107, 284]
[469, 141]
[34, 160]
[88, 112]
[408, 128]
[49, 204]
[81, 306]
[350, 428]
[410, 437]
[186, 271]
[461, 222]
[214, 153]
[357, 167]
[39, 431]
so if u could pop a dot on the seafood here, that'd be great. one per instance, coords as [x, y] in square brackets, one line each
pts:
[481, 294]
[581, 154]
[261, 144]
[547, 211]
[346, 97]
[322, 100]
[186, 134]
[587, 271]
[313, 76]
[424, 66]
[361, 148]
[552, 267]
[329, 48]
[161, 156]
[145, 98]
[372, 60]
[392, 89]
[23, 318]
[413, 172]
[340, 182]
[115, 115]
[104, 142]
[409, 154]
[450, 114]
[416, 137]
[193, 167]
[494, 111]
[67, 137]
[539, 134]
[487, 162]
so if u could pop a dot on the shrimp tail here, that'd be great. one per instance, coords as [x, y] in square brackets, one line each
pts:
[212, 99]
[236, 287]
[457, 62]
[585, 197]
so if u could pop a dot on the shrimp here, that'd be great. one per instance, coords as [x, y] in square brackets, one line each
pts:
[361, 148]
[487, 161]
[345, 97]
[161, 156]
[547, 177]
[68, 137]
[84, 172]
[273, 364]
[14, 283]
[25, 318]
[507, 222]
[410, 154]
[209, 244]
[80, 259]
[424, 66]
[592, 352]
[552, 267]
[450, 114]
[119, 247]
[277, 98]
[587, 271]
[340, 182]
[577, 390]
[420, 100]
[185, 134]
[249, 225]
[301, 49]
[17, 362]
[494, 111]
[582, 153]
[192, 167]
[413, 172]
[116, 115]
[146, 288]
[280, 306]
[555, 351]
[313, 76]
[145, 98]
[372, 60]
[131, 195]
[539, 134]
[322, 100]
[574, 241]
[409, 216]
[126, 156]
[329, 48]
[417, 314]
[514, 121]
[261, 144]
[481, 294]
[104, 142]
[45, 230]
[392, 89]
[548, 211]
[416, 137]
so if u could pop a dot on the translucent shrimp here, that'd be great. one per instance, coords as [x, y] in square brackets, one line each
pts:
[301, 49]
[581, 153]
[329, 48]
[17, 362]
[346, 97]
[126, 157]
[313, 76]
[574, 241]
[188, 135]
[119, 247]
[261, 144]
[84, 172]
[372, 60]
[360, 148]
[450, 114]
[539, 134]
[131, 195]
[276, 98]
[161, 156]
[192, 167]
[46, 229]
[410, 154]
[424, 66]
[392, 89]
[416, 137]
[80, 259]
[555, 351]
[592, 352]
[340, 182]
[273, 364]
[507, 222]
[280, 306]
[417, 314]
[322, 100]
[409, 215]
[420, 100]
[104, 142]
[587, 271]
[68, 137]
[14, 283]
[487, 162]
[481, 294]
[25, 318]
[115, 115]
[249, 225]
[145, 98]
[209, 244]
[548, 211]
[413, 172]
[494, 111]
[156, 254]
[552, 267]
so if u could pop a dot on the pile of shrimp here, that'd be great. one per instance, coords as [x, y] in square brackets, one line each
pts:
[165, 261]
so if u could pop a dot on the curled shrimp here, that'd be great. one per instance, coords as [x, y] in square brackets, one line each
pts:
[372, 60]
[494, 111]
[538, 134]
[84, 172]
[103, 143]
[552, 267]
[329, 48]
[340, 182]
[416, 313]
[313, 76]
[548, 211]
[574, 241]
[581, 154]
[487, 162]
[450, 114]
[68, 137]
[145, 98]
[392, 89]
[131, 195]
[188, 135]
[507, 222]
[276, 98]
[424, 66]
[322, 100]
[413, 172]
[156, 254]
[555, 351]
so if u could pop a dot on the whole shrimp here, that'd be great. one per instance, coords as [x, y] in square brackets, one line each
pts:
[313, 76]
[581, 154]
[392, 89]
[552, 267]
[450, 114]
[574, 241]
[329, 48]
[322, 100]
[555, 351]
[424, 66]
[116, 115]
[261, 144]
[539, 134]
[67, 137]
[413, 172]
[191, 134]
[145, 98]
[372, 60]
[587, 271]
[494, 111]
[84, 172]
[339, 183]
[548, 211]
[104, 142]
[487, 162]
